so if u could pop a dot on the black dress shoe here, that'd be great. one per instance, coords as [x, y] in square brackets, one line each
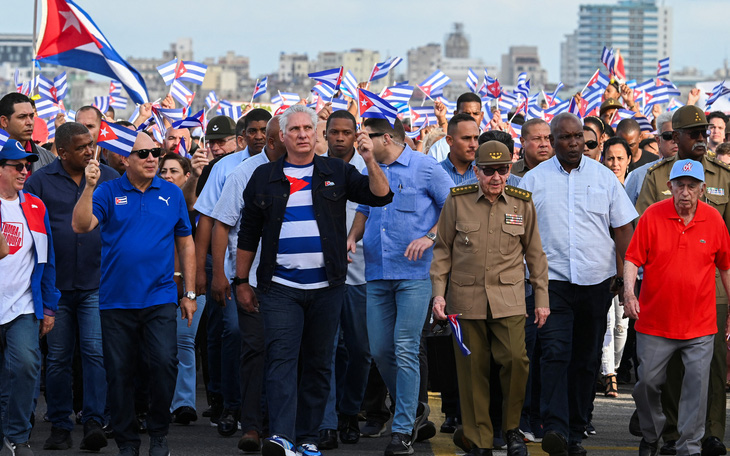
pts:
[184, 415]
[576, 449]
[449, 425]
[669, 447]
[228, 422]
[515, 443]
[425, 431]
[349, 429]
[634, 426]
[554, 444]
[647, 448]
[327, 439]
[713, 446]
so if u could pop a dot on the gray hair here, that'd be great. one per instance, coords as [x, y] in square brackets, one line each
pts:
[297, 108]
[662, 119]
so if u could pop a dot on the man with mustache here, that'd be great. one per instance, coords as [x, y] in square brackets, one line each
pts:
[690, 134]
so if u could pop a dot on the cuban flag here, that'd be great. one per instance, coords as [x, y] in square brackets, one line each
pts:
[70, 38]
[324, 90]
[434, 84]
[397, 94]
[593, 99]
[181, 150]
[261, 87]
[167, 71]
[523, 88]
[471, 80]
[494, 90]
[226, 108]
[674, 104]
[46, 108]
[170, 114]
[211, 99]
[577, 108]
[101, 103]
[662, 68]
[349, 85]
[4, 136]
[533, 112]
[339, 104]
[51, 126]
[116, 138]
[718, 92]
[332, 77]
[555, 110]
[515, 130]
[598, 80]
[373, 106]
[115, 88]
[190, 71]
[644, 123]
[286, 98]
[56, 89]
[620, 115]
[456, 330]
[157, 133]
[414, 134]
[644, 86]
[608, 59]
[380, 70]
[196, 120]
[554, 95]
[422, 116]
[657, 94]
[181, 93]
[671, 89]
[134, 116]
[117, 102]
[71, 115]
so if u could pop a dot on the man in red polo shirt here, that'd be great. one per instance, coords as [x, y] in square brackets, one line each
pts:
[676, 312]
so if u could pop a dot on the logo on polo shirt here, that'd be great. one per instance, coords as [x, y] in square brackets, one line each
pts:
[13, 233]
[120, 200]
[165, 200]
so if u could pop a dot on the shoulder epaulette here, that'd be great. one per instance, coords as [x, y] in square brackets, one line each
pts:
[656, 165]
[518, 193]
[464, 189]
[719, 162]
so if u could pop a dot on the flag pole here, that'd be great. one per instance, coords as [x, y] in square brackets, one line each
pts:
[32, 63]
[254, 90]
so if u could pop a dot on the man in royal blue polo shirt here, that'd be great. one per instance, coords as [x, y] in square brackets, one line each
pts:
[143, 219]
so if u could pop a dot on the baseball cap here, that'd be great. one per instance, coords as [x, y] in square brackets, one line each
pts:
[689, 116]
[493, 153]
[13, 150]
[220, 127]
[688, 168]
[610, 103]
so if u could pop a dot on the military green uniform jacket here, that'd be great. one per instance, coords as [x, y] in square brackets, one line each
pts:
[479, 251]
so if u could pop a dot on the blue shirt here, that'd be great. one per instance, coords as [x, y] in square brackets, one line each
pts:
[214, 185]
[420, 186]
[78, 256]
[453, 173]
[574, 213]
[635, 180]
[138, 233]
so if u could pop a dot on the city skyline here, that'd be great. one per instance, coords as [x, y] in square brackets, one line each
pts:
[489, 40]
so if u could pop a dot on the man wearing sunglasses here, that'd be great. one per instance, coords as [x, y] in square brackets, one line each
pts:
[578, 201]
[691, 133]
[29, 295]
[142, 220]
[484, 232]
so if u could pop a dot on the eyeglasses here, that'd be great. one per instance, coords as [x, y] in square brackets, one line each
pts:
[219, 142]
[694, 134]
[144, 153]
[488, 170]
[591, 144]
[375, 135]
[667, 136]
[19, 166]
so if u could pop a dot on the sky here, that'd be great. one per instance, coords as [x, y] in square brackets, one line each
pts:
[262, 30]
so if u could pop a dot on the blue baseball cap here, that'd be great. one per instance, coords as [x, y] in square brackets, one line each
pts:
[13, 150]
[689, 168]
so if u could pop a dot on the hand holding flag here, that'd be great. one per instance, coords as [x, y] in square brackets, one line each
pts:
[116, 138]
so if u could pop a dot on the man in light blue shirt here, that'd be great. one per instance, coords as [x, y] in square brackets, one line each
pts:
[577, 200]
[398, 240]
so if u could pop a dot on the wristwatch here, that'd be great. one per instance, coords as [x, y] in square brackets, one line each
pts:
[239, 280]
[431, 236]
[190, 295]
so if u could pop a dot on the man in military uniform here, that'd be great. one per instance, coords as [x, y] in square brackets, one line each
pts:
[484, 232]
[690, 133]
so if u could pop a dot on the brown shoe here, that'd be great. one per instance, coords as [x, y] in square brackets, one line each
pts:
[250, 442]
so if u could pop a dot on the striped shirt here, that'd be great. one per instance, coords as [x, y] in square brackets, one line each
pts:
[299, 260]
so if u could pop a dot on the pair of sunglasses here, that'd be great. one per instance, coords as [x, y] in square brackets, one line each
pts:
[19, 166]
[591, 144]
[144, 153]
[488, 171]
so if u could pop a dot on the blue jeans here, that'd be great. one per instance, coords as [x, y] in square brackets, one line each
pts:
[185, 385]
[121, 331]
[396, 311]
[77, 311]
[20, 364]
[299, 321]
[571, 341]
[352, 378]
[224, 347]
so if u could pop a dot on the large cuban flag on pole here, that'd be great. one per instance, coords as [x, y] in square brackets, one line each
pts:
[70, 38]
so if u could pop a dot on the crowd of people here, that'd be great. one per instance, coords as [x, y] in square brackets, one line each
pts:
[301, 260]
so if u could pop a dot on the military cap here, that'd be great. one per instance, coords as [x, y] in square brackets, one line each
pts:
[610, 103]
[220, 127]
[688, 117]
[493, 153]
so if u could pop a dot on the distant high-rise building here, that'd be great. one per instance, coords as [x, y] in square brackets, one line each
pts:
[569, 60]
[640, 29]
[457, 44]
[16, 49]
[359, 61]
[522, 59]
[293, 68]
[422, 61]
[182, 49]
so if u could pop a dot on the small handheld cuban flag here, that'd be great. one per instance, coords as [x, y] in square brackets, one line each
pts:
[373, 106]
[4, 135]
[332, 77]
[46, 108]
[434, 84]
[211, 99]
[182, 150]
[116, 138]
[117, 102]
[608, 59]
[196, 120]
[471, 80]
[190, 71]
[349, 85]
[456, 329]
[380, 70]
[261, 87]
[101, 103]
[662, 68]
[115, 88]
[181, 93]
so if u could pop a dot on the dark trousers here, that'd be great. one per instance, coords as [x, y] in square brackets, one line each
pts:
[571, 341]
[120, 330]
[251, 369]
[375, 394]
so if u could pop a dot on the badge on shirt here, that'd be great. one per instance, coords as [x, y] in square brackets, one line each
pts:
[120, 200]
[716, 191]
[666, 192]
[328, 183]
[513, 219]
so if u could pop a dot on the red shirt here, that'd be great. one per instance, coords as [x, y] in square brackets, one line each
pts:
[677, 299]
